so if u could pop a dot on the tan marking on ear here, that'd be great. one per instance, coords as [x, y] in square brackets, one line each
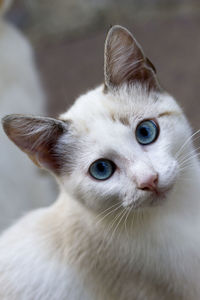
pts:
[124, 120]
[1, 2]
[169, 113]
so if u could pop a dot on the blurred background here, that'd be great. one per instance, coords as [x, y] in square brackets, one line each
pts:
[68, 39]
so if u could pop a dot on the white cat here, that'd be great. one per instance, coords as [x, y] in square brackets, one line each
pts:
[127, 223]
[20, 91]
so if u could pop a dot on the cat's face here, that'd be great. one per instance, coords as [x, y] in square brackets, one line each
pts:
[118, 144]
[127, 147]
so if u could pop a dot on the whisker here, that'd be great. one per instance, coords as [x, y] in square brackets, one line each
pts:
[106, 210]
[112, 211]
[186, 142]
[122, 216]
[107, 230]
[125, 225]
[186, 178]
[186, 164]
[185, 167]
[115, 220]
[190, 153]
[188, 159]
[133, 218]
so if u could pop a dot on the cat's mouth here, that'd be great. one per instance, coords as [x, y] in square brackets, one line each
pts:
[158, 196]
[151, 198]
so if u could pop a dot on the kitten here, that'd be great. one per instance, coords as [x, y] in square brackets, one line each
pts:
[20, 91]
[127, 222]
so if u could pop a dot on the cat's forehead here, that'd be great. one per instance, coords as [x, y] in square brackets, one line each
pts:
[125, 106]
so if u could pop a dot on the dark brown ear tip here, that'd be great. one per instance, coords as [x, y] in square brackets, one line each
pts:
[123, 35]
[12, 117]
[5, 121]
[117, 29]
[8, 120]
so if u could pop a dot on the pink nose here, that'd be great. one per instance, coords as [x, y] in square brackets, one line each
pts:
[148, 183]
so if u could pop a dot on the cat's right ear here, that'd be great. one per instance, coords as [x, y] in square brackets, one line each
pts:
[125, 62]
[39, 138]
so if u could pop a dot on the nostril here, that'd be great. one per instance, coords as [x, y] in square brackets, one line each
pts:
[145, 189]
[148, 183]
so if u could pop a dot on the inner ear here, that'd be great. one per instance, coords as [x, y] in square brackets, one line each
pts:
[125, 61]
[38, 137]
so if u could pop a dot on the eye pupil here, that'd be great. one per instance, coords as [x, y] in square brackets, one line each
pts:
[144, 131]
[147, 132]
[102, 169]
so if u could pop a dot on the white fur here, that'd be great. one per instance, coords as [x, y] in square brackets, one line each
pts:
[68, 251]
[20, 92]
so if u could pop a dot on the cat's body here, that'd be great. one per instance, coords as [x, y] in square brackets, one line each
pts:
[133, 235]
[20, 91]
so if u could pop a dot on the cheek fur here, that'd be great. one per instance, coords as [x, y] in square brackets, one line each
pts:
[95, 195]
[167, 169]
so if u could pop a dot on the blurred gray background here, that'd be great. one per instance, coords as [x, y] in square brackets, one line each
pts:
[68, 39]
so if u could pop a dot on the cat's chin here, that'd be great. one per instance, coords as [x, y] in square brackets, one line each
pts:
[153, 199]
[157, 199]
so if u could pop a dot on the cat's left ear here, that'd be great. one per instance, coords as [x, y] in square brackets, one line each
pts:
[39, 138]
[125, 62]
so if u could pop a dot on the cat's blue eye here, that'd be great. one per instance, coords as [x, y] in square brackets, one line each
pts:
[147, 132]
[102, 169]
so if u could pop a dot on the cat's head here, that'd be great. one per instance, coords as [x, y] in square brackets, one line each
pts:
[119, 143]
